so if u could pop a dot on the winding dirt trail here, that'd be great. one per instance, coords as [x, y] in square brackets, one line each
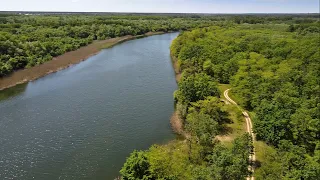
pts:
[252, 157]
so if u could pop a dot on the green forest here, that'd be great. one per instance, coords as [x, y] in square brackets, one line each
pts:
[29, 40]
[273, 70]
[270, 62]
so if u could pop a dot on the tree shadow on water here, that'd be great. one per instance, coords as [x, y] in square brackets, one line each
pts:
[12, 92]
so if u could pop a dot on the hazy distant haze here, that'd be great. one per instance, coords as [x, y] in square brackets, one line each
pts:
[165, 6]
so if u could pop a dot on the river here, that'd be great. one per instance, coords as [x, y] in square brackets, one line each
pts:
[82, 122]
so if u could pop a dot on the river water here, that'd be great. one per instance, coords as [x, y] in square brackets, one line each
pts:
[82, 122]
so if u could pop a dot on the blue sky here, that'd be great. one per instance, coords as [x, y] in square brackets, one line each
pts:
[178, 6]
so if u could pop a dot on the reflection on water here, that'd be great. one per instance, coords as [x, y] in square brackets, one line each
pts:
[12, 92]
[82, 122]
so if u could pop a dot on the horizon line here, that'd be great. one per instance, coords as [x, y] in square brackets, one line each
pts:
[159, 12]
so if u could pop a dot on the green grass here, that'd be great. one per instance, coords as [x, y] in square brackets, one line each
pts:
[238, 125]
[262, 150]
[235, 114]
[264, 154]
[234, 129]
[223, 87]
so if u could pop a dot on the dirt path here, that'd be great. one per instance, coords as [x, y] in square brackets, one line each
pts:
[252, 157]
[63, 61]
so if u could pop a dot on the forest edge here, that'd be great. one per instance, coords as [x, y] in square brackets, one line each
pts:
[64, 61]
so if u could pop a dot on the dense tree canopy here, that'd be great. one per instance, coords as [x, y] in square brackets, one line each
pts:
[274, 71]
[175, 161]
[271, 61]
[28, 40]
[196, 87]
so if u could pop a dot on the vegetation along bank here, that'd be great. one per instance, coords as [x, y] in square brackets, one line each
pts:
[52, 42]
[63, 61]
[273, 71]
[270, 62]
[30, 40]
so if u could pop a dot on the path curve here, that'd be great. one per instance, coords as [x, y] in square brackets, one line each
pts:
[252, 157]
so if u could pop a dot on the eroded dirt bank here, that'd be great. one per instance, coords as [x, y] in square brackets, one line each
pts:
[63, 61]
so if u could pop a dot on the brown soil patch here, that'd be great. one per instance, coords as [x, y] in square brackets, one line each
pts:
[175, 65]
[224, 138]
[176, 123]
[62, 61]
[178, 77]
[153, 33]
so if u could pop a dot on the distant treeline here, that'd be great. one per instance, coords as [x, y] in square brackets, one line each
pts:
[28, 40]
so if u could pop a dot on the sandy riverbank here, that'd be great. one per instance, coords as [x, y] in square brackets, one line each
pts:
[63, 61]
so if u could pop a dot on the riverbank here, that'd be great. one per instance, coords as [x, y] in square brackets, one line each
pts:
[176, 121]
[91, 116]
[64, 61]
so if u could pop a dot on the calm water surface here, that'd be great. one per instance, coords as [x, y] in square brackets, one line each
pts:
[82, 122]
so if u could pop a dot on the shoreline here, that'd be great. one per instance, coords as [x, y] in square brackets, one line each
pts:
[65, 60]
[175, 120]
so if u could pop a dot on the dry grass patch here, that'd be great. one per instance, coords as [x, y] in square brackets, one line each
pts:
[176, 123]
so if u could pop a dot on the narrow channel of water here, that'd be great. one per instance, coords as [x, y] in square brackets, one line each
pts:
[82, 122]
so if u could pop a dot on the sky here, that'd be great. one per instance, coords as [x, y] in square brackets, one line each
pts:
[165, 6]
